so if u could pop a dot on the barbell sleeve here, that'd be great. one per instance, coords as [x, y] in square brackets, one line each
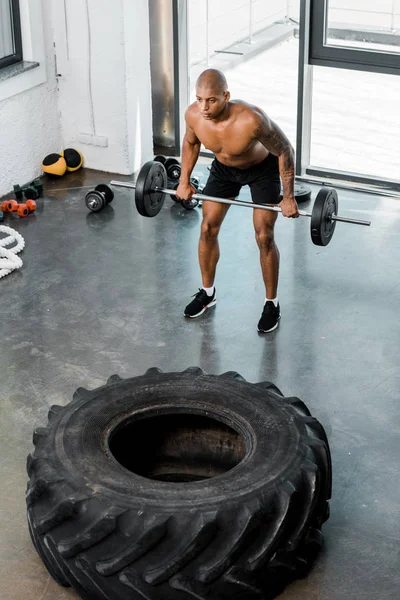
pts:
[201, 197]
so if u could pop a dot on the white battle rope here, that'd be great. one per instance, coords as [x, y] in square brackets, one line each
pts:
[9, 261]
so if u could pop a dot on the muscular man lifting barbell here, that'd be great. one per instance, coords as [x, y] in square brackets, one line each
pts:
[250, 149]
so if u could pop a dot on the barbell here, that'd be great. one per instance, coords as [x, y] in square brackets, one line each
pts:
[150, 192]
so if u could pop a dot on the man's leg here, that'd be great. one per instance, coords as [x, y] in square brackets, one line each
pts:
[213, 216]
[264, 223]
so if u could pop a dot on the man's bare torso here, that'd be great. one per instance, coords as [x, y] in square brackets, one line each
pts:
[231, 139]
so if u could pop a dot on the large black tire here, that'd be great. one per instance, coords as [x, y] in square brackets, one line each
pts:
[179, 486]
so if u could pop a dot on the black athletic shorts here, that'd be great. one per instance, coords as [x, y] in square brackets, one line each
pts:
[263, 180]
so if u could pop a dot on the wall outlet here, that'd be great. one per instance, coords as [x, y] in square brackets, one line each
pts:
[93, 140]
[100, 140]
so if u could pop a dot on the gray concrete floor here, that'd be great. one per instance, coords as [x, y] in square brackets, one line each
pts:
[103, 293]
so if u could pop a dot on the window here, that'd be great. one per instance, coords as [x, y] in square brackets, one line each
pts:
[362, 35]
[349, 66]
[10, 33]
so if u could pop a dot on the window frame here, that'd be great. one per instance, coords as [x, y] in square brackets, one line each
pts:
[305, 171]
[17, 55]
[360, 59]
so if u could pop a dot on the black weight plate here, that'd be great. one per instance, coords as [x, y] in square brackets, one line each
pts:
[94, 200]
[302, 193]
[38, 184]
[149, 202]
[107, 191]
[174, 171]
[171, 161]
[160, 158]
[322, 226]
[18, 192]
[31, 193]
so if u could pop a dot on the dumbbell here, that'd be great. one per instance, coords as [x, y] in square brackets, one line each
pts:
[22, 210]
[173, 168]
[9, 206]
[193, 202]
[160, 158]
[31, 191]
[98, 198]
[31, 205]
[18, 192]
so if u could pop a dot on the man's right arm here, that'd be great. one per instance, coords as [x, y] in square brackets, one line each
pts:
[190, 153]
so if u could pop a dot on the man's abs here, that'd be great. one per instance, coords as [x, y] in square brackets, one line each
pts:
[246, 160]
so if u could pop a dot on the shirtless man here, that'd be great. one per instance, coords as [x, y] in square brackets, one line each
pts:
[249, 149]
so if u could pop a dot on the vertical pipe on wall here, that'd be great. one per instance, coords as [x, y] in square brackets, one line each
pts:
[182, 92]
[162, 71]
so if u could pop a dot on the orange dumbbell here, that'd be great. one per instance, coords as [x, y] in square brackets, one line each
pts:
[9, 206]
[22, 210]
[31, 204]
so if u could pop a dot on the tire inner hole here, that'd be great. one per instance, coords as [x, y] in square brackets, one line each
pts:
[177, 447]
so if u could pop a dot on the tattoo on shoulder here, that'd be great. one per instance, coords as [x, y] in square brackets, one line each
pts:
[271, 136]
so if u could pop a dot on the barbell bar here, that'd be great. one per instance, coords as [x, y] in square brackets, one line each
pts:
[203, 197]
[150, 191]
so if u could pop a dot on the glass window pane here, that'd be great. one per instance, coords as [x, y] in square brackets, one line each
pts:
[355, 122]
[364, 25]
[6, 29]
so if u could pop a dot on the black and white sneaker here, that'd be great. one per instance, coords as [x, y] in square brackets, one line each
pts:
[269, 318]
[200, 304]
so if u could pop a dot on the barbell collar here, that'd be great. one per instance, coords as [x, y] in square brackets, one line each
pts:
[203, 197]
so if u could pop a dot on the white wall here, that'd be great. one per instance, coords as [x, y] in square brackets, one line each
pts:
[51, 116]
[105, 87]
[29, 120]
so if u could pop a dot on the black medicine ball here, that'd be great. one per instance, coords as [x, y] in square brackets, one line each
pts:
[73, 158]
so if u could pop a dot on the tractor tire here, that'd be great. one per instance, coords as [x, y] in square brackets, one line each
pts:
[179, 486]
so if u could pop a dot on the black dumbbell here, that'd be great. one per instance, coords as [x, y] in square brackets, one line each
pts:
[194, 202]
[98, 198]
[31, 192]
[38, 184]
[173, 168]
[18, 192]
[160, 158]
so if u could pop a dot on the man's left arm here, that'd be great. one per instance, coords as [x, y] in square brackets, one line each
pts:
[275, 141]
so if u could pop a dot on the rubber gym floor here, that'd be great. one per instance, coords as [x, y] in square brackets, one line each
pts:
[103, 293]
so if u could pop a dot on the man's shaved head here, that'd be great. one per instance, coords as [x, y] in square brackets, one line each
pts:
[212, 79]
